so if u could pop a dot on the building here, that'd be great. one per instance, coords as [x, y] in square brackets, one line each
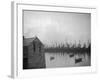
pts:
[33, 53]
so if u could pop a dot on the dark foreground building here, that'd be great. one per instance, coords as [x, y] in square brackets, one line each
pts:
[33, 53]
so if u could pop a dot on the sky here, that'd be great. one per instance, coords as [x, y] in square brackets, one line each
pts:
[59, 27]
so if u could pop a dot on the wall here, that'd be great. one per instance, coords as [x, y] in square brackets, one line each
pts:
[5, 39]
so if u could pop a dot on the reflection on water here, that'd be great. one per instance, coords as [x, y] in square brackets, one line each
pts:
[66, 60]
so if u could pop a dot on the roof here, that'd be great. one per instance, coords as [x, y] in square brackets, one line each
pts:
[28, 41]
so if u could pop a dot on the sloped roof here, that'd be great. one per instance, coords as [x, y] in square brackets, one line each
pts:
[28, 41]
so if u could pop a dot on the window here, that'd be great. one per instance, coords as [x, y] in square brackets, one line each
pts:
[25, 51]
[39, 48]
[34, 47]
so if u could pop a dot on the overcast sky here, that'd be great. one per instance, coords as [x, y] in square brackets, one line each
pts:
[58, 27]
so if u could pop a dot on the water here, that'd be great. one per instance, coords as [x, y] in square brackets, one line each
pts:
[54, 60]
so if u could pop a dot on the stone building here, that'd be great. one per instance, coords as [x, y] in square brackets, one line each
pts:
[33, 53]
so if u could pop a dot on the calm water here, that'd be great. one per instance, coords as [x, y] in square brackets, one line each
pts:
[66, 60]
